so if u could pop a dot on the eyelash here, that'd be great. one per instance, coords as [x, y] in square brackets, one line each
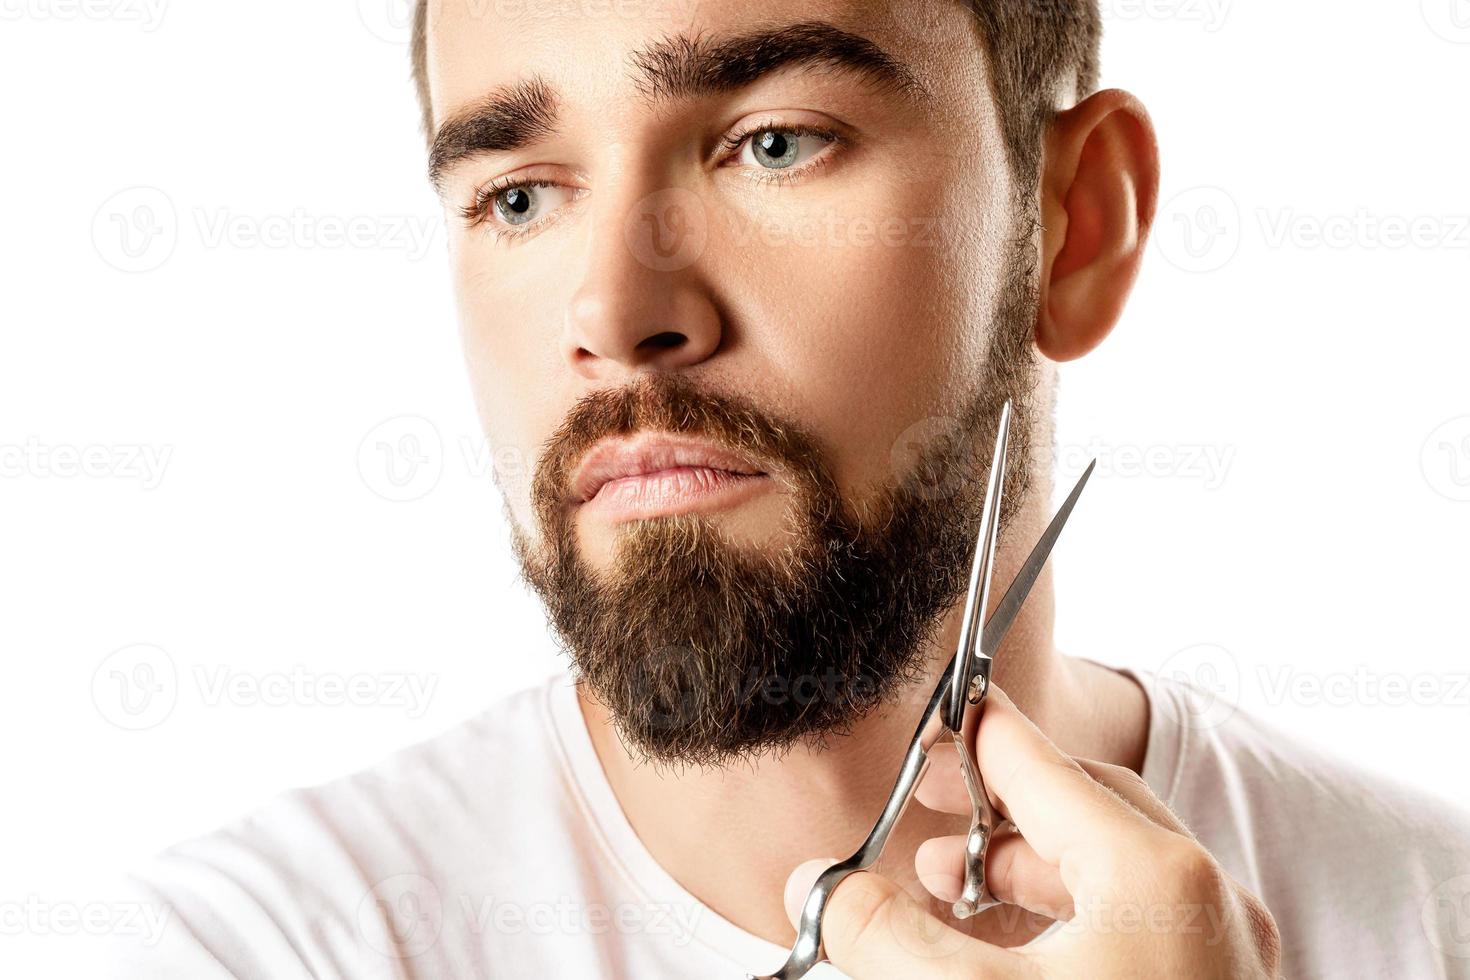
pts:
[478, 212]
[734, 141]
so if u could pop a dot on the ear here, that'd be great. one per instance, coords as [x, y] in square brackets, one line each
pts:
[1099, 190]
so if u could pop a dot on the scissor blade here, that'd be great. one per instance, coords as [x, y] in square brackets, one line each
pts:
[977, 598]
[1005, 614]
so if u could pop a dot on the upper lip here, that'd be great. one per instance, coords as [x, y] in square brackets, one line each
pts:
[614, 458]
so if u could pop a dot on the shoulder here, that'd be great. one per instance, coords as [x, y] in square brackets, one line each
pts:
[321, 880]
[1356, 865]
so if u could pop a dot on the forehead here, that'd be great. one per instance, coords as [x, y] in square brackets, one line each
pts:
[587, 49]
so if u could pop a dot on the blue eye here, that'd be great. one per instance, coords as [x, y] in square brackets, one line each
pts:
[516, 205]
[782, 149]
[511, 207]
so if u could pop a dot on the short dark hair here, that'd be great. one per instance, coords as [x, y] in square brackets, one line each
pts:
[1039, 49]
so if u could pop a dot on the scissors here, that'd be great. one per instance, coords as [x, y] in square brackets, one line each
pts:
[969, 674]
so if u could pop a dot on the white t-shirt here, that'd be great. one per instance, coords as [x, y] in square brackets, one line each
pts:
[498, 849]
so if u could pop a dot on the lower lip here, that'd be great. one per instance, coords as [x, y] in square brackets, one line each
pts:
[676, 490]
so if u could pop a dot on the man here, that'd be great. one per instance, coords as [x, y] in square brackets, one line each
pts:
[745, 285]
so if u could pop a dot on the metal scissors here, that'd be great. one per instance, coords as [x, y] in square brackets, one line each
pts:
[945, 714]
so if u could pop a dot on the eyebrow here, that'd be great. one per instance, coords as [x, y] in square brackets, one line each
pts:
[672, 69]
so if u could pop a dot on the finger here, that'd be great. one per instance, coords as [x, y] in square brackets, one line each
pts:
[873, 929]
[1015, 873]
[1075, 824]
[943, 788]
[1132, 788]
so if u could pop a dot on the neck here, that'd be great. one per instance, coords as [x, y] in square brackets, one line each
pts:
[732, 835]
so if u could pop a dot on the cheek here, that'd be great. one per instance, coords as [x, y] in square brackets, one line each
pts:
[503, 329]
[873, 308]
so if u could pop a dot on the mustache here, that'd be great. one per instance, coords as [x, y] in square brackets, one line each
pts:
[674, 403]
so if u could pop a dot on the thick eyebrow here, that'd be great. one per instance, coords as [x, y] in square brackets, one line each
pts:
[507, 119]
[685, 67]
[674, 68]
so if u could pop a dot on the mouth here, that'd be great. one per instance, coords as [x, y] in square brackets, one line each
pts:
[654, 474]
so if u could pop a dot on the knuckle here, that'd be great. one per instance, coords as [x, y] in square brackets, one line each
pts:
[1262, 925]
[1190, 870]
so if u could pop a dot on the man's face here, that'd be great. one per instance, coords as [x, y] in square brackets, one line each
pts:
[784, 230]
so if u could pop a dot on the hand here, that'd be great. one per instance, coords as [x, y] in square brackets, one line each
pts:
[1141, 897]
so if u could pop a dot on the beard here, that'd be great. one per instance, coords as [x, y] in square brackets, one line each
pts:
[705, 652]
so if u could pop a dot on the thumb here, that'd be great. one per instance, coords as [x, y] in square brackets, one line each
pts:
[873, 929]
[799, 885]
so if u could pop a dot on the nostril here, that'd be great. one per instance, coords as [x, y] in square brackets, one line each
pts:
[666, 340]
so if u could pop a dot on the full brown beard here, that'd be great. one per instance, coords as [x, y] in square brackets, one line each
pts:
[705, 652]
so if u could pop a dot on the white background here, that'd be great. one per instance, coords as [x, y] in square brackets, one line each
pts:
[1283, 418]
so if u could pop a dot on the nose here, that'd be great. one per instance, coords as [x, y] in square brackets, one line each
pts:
[639, 306]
